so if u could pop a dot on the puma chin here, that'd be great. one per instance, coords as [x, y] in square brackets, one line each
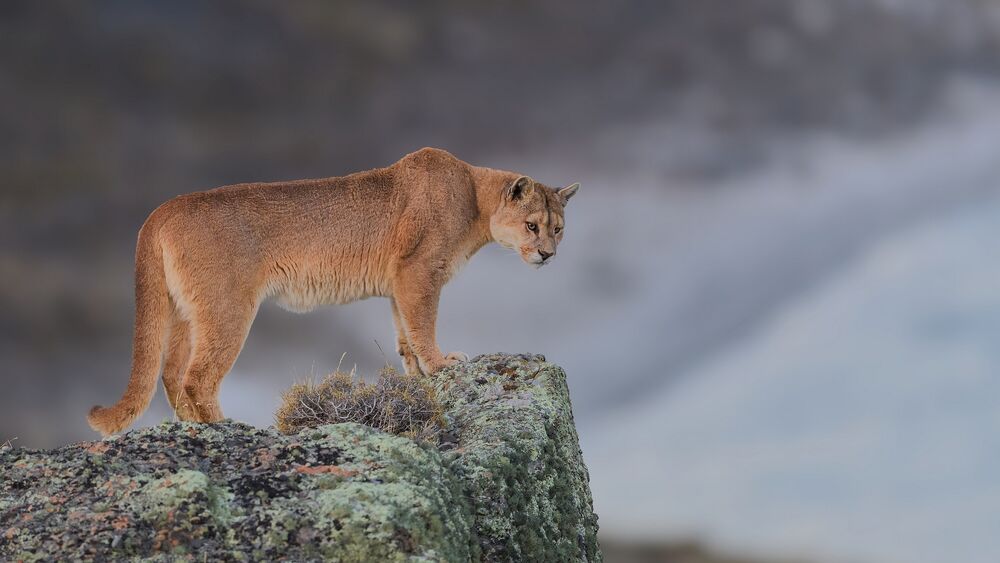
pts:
[205, 262]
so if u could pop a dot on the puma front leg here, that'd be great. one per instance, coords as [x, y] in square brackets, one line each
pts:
[416, 296]
[410, 362]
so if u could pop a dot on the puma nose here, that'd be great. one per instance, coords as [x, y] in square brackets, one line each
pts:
[545, 255]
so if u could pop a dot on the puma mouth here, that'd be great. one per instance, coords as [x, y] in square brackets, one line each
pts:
[535, 263]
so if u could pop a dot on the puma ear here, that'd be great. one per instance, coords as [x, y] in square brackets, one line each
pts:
[568, 192]
[520, 188]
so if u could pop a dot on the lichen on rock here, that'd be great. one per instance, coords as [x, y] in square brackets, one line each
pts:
[520, 458]
[507, 484]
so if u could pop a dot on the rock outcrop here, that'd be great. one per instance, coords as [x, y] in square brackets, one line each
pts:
[508, 483]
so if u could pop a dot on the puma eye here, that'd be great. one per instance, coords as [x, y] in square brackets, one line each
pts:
[558, 230]
[532, 227]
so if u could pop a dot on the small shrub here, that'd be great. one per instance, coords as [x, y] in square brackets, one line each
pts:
[396, 403]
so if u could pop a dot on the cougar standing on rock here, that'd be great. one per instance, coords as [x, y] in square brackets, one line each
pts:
[205, 261]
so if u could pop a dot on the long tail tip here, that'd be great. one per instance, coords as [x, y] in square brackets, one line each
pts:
[97, 418]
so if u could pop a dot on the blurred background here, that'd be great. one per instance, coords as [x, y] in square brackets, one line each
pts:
[778, 297]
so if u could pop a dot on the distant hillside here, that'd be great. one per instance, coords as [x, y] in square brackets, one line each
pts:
[108, 94]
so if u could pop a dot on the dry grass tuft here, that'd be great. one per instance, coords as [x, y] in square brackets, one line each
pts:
[396, 403]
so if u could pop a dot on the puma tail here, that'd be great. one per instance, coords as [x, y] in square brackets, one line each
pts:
[152, 308]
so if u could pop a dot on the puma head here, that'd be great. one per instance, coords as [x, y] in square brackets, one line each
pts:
[530, 219]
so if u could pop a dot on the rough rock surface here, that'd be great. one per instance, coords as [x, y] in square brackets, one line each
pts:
[519, 458]
[507, 484]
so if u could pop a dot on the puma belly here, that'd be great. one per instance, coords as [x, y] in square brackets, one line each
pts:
[305, 293]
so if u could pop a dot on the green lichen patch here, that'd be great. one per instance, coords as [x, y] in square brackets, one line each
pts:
[229, 492]
[393, 501]
[519, 457]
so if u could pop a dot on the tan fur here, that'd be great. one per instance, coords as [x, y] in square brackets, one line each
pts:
[205, 261]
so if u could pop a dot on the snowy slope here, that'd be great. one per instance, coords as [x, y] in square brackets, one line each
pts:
[862, 421]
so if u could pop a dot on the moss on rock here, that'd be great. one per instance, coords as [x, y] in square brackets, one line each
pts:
[519, 457]
[508, 484]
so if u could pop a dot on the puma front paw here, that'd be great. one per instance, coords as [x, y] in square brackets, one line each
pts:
[444, 362]
[458, 357]
[410, 363]
[411, 366]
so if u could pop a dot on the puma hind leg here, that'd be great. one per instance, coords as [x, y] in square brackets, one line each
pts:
[177, 360]
[219, 336]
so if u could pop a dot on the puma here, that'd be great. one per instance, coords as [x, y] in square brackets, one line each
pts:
[205, 261]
